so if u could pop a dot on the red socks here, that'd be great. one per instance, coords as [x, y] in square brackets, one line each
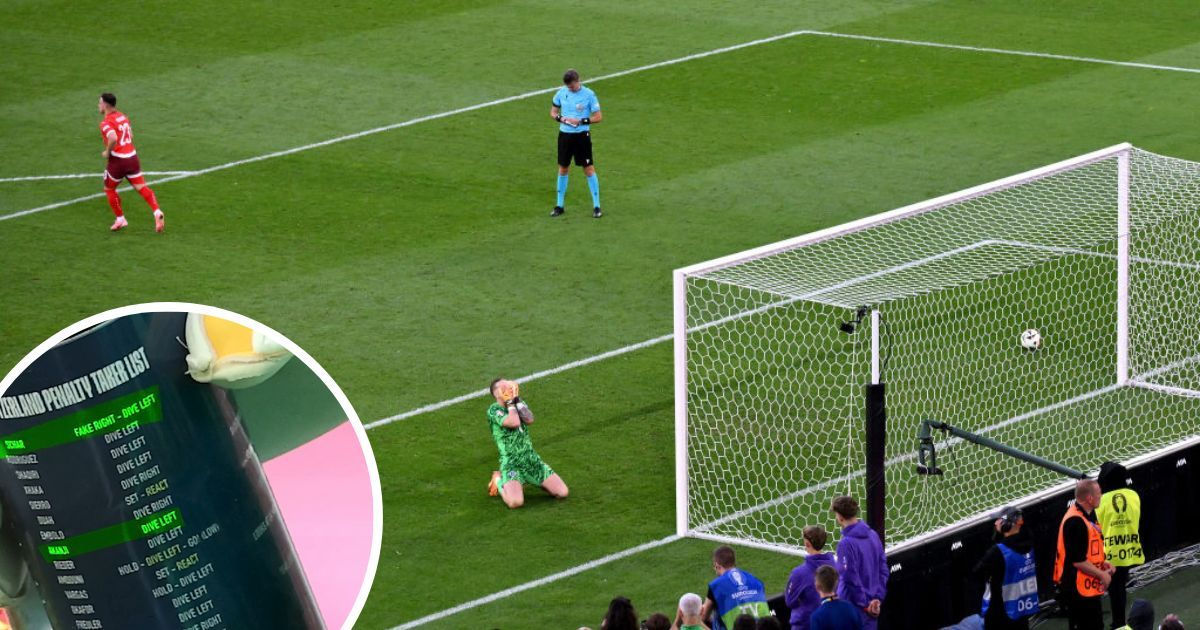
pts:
[148, 195]
[145, 191]
[114, 200]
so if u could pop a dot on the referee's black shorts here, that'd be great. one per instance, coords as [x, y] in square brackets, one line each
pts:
[577, 145]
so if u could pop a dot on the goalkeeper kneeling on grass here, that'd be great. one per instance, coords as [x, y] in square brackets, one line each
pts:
[509, 418]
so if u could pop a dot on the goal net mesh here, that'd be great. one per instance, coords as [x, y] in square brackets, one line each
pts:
[775, 387]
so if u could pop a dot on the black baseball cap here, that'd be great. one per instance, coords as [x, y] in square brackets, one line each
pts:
[1010, 513]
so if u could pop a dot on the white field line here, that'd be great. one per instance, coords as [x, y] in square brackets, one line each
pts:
[509, 99]
[38, 178]
[1167, 389]
[1006, 51]
[475, 603]
[536, 375]
[1088, 252]
[1174, 365]
[745, 542]
[1141, 380]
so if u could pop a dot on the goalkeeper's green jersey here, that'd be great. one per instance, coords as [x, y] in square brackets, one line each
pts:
[515, 446]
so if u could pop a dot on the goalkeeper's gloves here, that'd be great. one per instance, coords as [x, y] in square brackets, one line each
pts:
[522, 410]
[494, 484]
[508, 391]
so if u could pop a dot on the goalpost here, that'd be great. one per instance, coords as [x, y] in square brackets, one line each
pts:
[776, 349]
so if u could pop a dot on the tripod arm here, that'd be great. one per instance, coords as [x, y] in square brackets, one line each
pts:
[925, 437]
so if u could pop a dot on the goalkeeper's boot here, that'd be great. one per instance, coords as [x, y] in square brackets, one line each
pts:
[494, 484]
[119, 223]
[558, 210]
[596, 214]
[159, 221]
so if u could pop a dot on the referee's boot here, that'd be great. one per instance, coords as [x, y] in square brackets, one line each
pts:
[596, 214]
[557, 211]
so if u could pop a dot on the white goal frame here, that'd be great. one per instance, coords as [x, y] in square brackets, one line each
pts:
[680, 287]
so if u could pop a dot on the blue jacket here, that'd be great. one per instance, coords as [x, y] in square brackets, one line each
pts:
[862, 566]
[835, 614]
[736, 592]
[801, 595]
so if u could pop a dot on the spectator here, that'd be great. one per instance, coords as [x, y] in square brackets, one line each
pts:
[689, 616]
[1119, 515]
[1171, 622]
[861, 563]
[769, 623]
[1008, 569]
[1141, 616]
[833, 613]
[621, 615]
[1080, 570]
[801, 594]
[657, 621]
[734, 592]
[744, 622]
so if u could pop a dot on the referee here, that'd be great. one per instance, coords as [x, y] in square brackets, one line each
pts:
[575, 108]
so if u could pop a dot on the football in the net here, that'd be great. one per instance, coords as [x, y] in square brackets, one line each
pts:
[1031, 339]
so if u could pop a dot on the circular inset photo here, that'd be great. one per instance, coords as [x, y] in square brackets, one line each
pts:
[175, 465]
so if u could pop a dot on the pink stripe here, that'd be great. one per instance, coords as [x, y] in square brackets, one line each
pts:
[324, 493]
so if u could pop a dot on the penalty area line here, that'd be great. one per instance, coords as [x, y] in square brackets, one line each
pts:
[1006, 51]
[418, 120]
[524, 379]
[68, 202]
[508, 592]
[38, 178]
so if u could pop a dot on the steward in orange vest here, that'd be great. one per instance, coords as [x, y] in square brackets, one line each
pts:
[1080, 570]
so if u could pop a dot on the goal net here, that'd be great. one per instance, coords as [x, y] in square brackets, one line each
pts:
[1100, 253]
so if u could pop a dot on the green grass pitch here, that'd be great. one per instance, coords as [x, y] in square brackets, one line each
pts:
[418, 263]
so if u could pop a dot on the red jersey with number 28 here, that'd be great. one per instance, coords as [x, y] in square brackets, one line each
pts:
[116, 123]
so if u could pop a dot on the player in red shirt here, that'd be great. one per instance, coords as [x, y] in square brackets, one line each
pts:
[122, 163]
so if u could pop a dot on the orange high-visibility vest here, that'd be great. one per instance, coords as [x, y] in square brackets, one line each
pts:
[1085, 585]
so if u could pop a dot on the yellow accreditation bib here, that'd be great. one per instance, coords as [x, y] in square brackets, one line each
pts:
[1120, 514]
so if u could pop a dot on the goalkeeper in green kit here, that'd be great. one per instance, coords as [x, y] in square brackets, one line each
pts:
[509, 419]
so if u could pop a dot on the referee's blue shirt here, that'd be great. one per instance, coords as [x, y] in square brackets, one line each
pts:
[581, 104]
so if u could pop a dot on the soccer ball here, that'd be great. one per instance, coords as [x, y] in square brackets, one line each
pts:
[1031, 339]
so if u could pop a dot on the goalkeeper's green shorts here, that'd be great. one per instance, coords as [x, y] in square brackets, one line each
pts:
[535, 472]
